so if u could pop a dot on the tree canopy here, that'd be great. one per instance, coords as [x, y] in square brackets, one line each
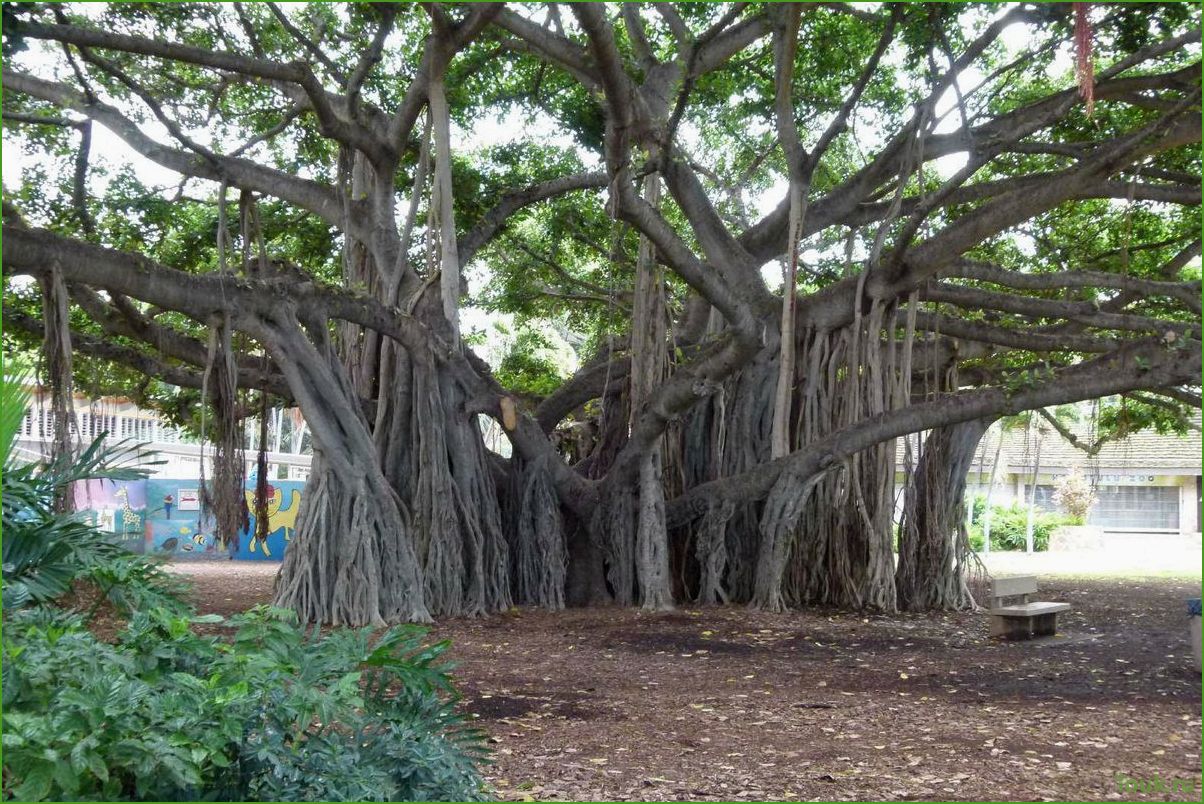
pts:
[779, 237]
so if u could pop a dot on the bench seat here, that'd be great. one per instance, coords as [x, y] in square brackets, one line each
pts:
[1030, 609]
[1026, 620]
[1023, 620]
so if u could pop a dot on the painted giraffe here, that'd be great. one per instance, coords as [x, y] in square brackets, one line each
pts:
[130, 520]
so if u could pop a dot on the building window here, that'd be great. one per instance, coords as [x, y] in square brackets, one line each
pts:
[1126, 507]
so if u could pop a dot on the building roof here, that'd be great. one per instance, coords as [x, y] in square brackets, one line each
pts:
[1146, 449]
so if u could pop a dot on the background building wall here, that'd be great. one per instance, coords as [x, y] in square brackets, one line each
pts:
[163, 516]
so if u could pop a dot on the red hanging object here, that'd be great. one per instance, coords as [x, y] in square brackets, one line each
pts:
[1084, 67]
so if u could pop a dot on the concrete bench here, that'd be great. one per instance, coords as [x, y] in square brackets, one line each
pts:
[1023, 620]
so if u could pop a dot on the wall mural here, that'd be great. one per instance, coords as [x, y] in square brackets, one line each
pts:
[164, 516]
[281, 522]
[117, 507]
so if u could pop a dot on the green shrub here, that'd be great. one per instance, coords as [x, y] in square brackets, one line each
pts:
[271, 715]
[164, 713]
[1008, 526]
[46, 551]
[978, 507]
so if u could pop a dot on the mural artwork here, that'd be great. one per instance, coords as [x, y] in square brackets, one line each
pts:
[117, 507]
[281, 522]
[176, 523]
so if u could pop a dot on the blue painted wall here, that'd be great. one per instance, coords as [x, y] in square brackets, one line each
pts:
[162, 515]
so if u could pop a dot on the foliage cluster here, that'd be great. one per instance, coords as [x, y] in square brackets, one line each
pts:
[272, 715]
[1074, 495]
[1008, 523]
[163, 712]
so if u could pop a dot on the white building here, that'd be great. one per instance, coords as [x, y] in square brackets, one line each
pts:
[121, 420]
[1146, 483]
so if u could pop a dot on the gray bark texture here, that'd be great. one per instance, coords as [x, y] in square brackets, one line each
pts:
[735, 444]
[933, 544]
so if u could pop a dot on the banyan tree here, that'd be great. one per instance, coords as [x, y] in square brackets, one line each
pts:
[807, 253]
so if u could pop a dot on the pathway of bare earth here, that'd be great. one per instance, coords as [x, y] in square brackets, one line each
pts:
[725, 703]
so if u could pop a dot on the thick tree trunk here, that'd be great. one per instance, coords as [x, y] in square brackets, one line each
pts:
[353, 560]
[933, 544]
[585, 578]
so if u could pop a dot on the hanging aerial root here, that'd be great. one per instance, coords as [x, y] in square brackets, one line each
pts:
[56, 355]
[261, 477]
[462, 547]
[225, 498]
[783, 509]
[933, 546]
[352, 563]
[612, 528]
[651, 541]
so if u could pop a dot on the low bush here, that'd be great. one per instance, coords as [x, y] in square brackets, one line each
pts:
[162, 712]
[1074, 495]
[1008, 525]
[271, 715]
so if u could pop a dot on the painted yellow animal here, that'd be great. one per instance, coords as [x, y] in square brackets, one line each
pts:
[277, 518]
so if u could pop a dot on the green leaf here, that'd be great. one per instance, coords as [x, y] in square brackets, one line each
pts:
[36, 784]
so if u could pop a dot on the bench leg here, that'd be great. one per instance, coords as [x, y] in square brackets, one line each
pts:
[1045, 624]
[1011, 627]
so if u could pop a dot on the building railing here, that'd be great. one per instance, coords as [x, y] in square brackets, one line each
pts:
[176, 452]
[39, 426]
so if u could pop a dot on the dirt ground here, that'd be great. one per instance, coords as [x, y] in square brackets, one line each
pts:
[727, 704]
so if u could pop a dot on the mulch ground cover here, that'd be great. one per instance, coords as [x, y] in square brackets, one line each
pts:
[728, 704]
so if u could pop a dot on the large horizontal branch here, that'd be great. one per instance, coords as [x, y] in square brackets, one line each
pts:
[330, 123]
[146, 363]
[170, 51]
[253, 301]
[717, 47]
[123, 319]
[767, 238]
[923, 259]
[1147, 364]
[834, 305]
[493, 221]
[557, 49]
[1181, 395]
[41, 120]
[309, 195]
[1185, 194]
[591, 382]
[1186, 292]
[1026, 339]
[1087, 313]
[201, 296]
